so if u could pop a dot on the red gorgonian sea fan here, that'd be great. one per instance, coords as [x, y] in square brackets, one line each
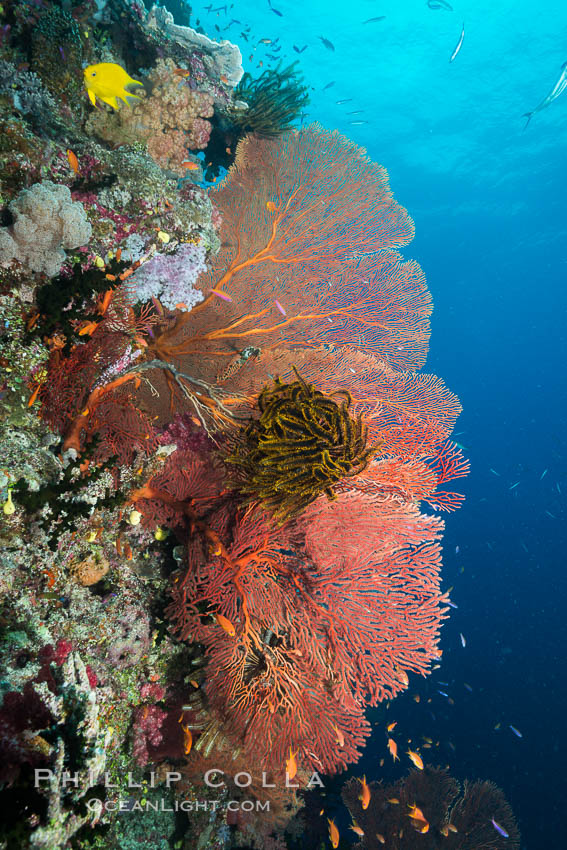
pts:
[307, 623]
[331, 612]
[309, 261]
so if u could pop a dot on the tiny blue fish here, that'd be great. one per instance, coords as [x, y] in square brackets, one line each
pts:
[516, 732]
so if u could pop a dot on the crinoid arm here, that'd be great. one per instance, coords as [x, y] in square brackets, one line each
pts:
[302, 443]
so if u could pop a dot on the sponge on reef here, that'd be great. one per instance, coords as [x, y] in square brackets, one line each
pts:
[45, 222]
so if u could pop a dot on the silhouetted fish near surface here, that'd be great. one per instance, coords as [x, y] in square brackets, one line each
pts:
[275, 11]
[375, 20]
[328, 86]
[299, 50]
[439, 4]
[359, 122]
[557, 89]
[356, 112]
[458, 45]
[328, 44]
[346, 100]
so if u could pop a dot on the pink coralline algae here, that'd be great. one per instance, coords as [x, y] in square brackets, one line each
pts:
[171, 120]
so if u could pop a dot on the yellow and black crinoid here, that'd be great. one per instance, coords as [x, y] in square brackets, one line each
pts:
[302, 444]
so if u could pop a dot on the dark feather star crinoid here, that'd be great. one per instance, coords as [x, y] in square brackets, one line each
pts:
[301, 445]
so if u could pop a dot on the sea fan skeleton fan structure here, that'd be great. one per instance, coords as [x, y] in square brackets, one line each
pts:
[309, 306]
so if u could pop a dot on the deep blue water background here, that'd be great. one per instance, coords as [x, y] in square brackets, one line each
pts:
[489, 202]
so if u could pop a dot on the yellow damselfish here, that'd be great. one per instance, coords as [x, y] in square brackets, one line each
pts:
[107, 81]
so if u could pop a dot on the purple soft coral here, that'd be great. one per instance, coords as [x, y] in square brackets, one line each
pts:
[170, 277]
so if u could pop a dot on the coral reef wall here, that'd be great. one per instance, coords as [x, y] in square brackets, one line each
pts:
[216, 443]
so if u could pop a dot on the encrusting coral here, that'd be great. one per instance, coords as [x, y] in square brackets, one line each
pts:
[171, 119]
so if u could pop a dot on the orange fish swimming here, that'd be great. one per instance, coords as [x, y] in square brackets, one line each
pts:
[416, 813]
[357, 829]
[291, 765]
[73, 161]
[106, 299]
[187, 739]
[333, 833]
[340, 736]
[364, 795]
[225, 623]
[392, 726]
[416, 759]
[33, 397]
[190, 166]
[89, 328]
[380, 838]
[393, 748]
[418, 819]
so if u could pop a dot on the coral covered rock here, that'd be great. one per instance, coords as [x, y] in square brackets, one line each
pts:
[45, 222]
[170, 120]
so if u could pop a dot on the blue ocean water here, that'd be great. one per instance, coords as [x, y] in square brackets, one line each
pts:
[488, 198]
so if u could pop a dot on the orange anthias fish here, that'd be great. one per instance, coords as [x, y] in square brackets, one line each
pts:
[33, 397]
[416, 813]
[187, 739]
[190, 166]
[391, 726]
[418, 819]
[420, 825]
[333, 833]
[416, 759]
[380, 838]
[357, 829]
[393, 748]
[364, 795]
[89, 328]
[106, 299]
[291, 764]
[225, 624]
[340, 736]
[73, 161]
